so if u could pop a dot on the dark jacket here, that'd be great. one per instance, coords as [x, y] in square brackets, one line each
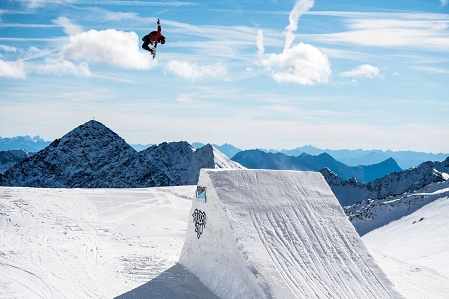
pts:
[154, 36]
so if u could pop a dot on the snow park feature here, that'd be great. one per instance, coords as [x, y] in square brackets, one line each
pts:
[277, 234]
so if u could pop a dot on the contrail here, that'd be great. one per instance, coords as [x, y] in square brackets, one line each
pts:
[301, 7]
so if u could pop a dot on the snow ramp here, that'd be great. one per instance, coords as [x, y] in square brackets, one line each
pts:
[276, 234]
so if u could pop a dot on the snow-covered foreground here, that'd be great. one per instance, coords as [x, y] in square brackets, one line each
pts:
[414, 250]
[125, 243]
[88, 243]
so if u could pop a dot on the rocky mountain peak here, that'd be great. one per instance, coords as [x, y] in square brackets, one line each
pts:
[93, 156]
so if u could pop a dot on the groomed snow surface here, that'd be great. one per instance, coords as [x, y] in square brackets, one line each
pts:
[277, 234]
[125, 243]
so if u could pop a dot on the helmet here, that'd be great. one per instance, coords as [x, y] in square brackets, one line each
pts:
[162, 40]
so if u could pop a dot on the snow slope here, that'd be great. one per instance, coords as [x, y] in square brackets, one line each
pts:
[277, 234]
[92, 243]
[370, 214]
[125, 243]
[414, 250]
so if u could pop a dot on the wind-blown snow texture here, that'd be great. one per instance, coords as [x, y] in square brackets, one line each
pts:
[93, 156]
[351, 191]
[278, 234]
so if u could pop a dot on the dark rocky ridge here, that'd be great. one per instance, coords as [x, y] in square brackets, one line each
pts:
[93, 156]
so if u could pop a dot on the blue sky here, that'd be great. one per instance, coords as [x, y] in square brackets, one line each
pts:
[256, 74]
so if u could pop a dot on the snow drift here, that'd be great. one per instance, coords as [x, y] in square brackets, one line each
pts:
[276, 234]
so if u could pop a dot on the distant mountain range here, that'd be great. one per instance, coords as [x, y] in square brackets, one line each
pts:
[30, 144]
[351, 191]
[405, 159]
[93, 156]
[257, 159]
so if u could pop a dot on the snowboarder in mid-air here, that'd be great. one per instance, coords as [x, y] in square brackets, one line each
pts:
[153, 38]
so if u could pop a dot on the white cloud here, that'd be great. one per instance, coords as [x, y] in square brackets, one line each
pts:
[422, 31]
[444, 2]
[259, 42]
[12, 69]
[303, 64]
[69, 27]
[192, 71]
[364, 70]
[8, 48]
[108, 47]
[60, 67]
[301, 7]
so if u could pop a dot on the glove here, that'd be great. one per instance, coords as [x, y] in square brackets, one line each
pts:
[158, 21]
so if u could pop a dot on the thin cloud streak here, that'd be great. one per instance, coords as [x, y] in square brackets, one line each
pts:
[24, 25]
[136, 3]
[364, 70]
[301, 7]
[193, 71]
[420, 31]
[41, 3]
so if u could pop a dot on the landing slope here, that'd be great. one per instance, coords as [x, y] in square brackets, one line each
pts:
[277, 234]
[414, 250]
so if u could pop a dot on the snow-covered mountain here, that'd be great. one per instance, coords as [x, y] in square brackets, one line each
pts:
[351, 191]
[182, 163]
[93, 156]
[11, 157]
[369, 214]
[257, 159]
[228, 149]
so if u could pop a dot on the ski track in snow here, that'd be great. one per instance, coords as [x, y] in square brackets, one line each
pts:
[103, 243]
[88, 243]
[286, 236]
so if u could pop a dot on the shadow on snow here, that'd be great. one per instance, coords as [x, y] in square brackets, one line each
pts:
[174, 283]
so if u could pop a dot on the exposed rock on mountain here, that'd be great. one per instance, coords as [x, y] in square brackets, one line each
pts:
[369, 214]
[182, 163]
[351, 191]
[90, 156]
[93, 156]
[257, 159]
[12, 157]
